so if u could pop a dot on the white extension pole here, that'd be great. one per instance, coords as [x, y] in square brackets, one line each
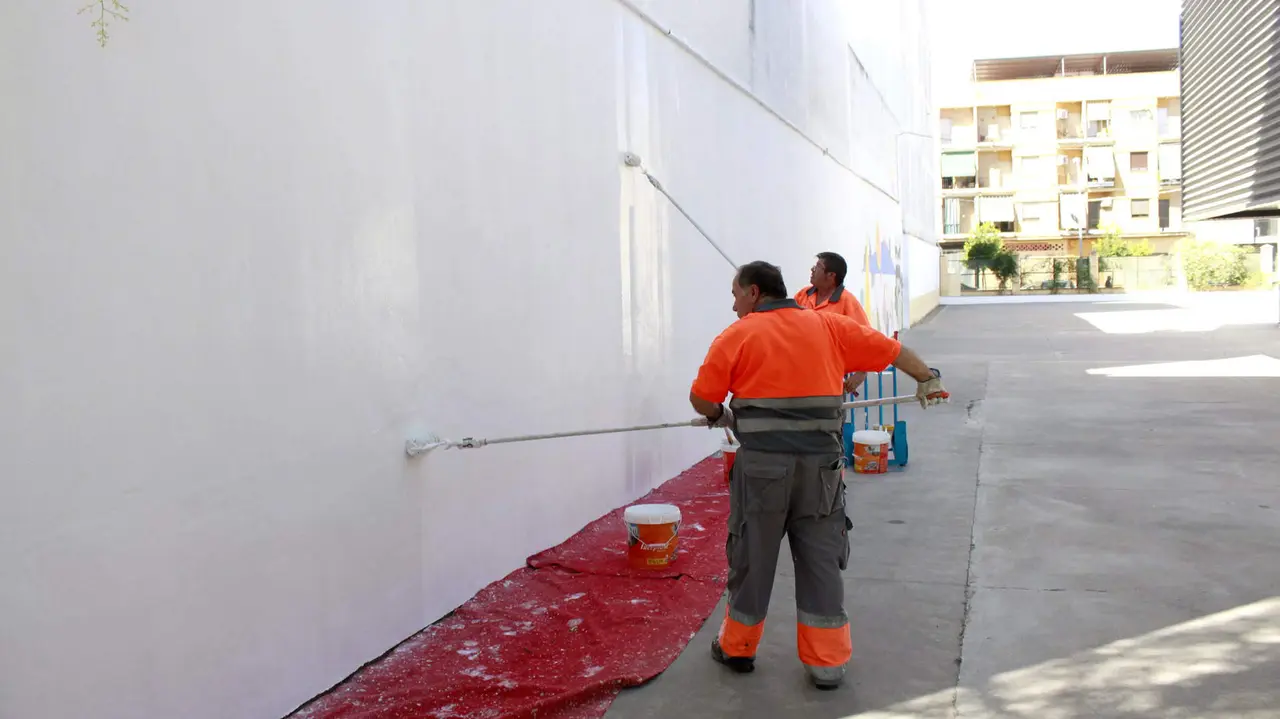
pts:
[630, 159]
[415, 447]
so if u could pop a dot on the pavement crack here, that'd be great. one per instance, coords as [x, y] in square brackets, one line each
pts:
[973, 524]
[1044, 589]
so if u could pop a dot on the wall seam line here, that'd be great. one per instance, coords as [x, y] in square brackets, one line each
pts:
[705, 61]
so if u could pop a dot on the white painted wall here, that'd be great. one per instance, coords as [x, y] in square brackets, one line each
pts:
[249, 247]
[923, 269]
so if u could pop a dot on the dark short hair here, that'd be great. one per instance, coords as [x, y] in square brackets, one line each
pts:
[765, 276]
[835, 263]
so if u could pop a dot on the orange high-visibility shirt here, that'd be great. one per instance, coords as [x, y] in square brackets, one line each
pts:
[841, 302]
[782, 350]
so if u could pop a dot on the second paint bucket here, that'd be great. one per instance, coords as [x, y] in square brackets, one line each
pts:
[871, 451]
[653, 534]
[730, 453]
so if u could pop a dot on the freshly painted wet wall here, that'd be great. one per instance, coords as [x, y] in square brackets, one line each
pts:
[249, 248]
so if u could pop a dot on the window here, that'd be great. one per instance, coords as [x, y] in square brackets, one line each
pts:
[1140, 208]
[1138, 161]
[945, 129]
[1139, 117]
[1094, 220]
[1164, 214]
[1029, 120]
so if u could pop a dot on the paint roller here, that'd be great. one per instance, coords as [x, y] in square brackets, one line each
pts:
[631, 159]
[426, 443]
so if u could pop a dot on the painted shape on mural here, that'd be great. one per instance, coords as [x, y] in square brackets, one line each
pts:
[883, 282]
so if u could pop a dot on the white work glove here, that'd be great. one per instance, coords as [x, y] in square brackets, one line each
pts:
[931, 393]
[724, 422]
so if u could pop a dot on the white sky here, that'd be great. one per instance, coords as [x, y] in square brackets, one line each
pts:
[965, 30]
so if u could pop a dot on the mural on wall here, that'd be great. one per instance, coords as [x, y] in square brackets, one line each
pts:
[884, 288]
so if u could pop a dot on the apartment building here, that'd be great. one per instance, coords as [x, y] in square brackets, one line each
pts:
[1055, 150]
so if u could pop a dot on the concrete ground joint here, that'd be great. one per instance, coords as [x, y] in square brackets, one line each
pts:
[968, 570]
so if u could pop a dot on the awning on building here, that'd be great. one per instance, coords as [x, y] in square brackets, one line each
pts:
[1095, 111]
[995, 209]
[959, 164]
[1100, 163]
[1074, 207]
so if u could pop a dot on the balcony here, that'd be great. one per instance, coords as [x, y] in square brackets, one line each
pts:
[956, 129]
[962, 186]
[1069, 119]
[995, 127]
[995, 142]
[1099, 131]
[1071, 170]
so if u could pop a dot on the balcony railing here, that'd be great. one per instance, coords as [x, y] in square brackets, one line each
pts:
[959, 183]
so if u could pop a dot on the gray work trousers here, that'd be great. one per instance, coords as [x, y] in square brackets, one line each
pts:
[801, 496]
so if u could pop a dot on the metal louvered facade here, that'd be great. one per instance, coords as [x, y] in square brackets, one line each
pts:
[1230, 108]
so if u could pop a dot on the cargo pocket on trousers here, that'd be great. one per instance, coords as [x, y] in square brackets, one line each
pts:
[831, 499]
[764, 483]
[844, 536]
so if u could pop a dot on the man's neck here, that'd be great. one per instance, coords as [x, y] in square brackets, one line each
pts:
[824, 292]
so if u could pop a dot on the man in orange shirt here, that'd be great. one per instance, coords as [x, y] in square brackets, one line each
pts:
[783, 365]
[827, 294]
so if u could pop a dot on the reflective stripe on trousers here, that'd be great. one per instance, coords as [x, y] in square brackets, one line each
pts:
[800, 496]
[789, 424]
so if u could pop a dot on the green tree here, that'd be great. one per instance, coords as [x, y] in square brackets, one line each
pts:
[982, 247]
[1005, 267]
[984, 244]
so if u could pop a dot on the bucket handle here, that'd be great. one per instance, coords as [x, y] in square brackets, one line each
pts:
[633, 530]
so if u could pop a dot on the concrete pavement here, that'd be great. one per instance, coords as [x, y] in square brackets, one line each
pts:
[1090, 529]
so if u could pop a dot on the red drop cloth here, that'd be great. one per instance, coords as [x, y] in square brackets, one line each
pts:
[561, 637]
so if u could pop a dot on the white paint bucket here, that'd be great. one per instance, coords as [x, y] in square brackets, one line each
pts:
[871, 451]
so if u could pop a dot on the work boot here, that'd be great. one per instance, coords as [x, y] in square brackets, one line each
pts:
[741, 665]
[826, 678]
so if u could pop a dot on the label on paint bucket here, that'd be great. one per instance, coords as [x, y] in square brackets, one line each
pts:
[653, 534]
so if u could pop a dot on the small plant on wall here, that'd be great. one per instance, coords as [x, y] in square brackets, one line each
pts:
[103, 13]
[1111, 244]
